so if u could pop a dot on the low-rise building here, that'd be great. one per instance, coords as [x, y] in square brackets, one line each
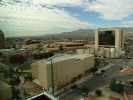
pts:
[70, 45]
[2, 40]
[32, 44]
[65, 68]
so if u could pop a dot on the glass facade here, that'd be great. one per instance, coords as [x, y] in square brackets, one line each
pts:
[107, 38]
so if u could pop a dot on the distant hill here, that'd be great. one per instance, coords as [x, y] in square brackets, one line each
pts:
[82, 34]
[78, 34]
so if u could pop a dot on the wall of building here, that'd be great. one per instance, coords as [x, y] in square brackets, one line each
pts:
[35, 70]
[110, 53]
[5, 91]
[2, 40]
[63, 71]
[6, 94]
[86, 51]
[32, 46]
[2, 76]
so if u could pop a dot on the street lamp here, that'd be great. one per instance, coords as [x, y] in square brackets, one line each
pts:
[102, 80]
[52, 77]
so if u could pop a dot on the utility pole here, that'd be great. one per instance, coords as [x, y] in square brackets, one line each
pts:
[52, 77]
[131, 75]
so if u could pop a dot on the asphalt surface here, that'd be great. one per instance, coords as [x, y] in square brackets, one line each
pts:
[98, 81]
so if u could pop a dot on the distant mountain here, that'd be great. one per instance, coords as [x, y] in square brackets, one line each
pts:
[78, 34]
[82, 34]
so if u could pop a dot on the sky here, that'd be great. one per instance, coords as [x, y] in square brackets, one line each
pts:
[40, 17]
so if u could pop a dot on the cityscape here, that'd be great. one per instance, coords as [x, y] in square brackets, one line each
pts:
[66, 50]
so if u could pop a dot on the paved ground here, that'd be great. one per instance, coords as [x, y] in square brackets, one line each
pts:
[106, 93]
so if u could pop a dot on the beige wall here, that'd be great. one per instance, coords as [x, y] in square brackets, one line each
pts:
[106, 52]
[35, 70]
[2, 76]
[64, 71]
[6, 94]
[43, 76]
[5, 91]
[32, 46]
[85, 51]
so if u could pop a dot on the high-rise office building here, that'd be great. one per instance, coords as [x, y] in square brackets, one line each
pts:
[109, 42]
[109, 37]
[2, 40]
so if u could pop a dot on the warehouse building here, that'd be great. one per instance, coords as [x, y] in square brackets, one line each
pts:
[65, 68]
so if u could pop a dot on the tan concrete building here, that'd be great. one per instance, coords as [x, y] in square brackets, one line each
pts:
[5, 91]
[1, 76]
[65, 68]
[70, 45]
[32, 44]
[52, 47]
[89, 49]
[109, 42]
[2, 40]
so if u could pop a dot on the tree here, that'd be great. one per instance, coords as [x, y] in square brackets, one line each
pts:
[61, 48]
[93, 70]
[74, 86]
[102, 71]
[29, 77]
[116, 86]
[15, 92]
[118, 98]
[131, 82]
[18, 80]
[98, 92]
[73, 80]
[85, 91]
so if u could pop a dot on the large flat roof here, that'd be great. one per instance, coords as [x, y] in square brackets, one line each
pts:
[67, 43]
[63, 57]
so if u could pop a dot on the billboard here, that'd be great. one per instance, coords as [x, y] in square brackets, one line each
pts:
[107, 38]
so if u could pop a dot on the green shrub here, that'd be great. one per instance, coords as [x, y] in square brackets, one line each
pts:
[98, 92]
[116, 87]
[85, 91]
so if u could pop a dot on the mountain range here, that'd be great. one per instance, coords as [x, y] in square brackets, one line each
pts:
[82, 34]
